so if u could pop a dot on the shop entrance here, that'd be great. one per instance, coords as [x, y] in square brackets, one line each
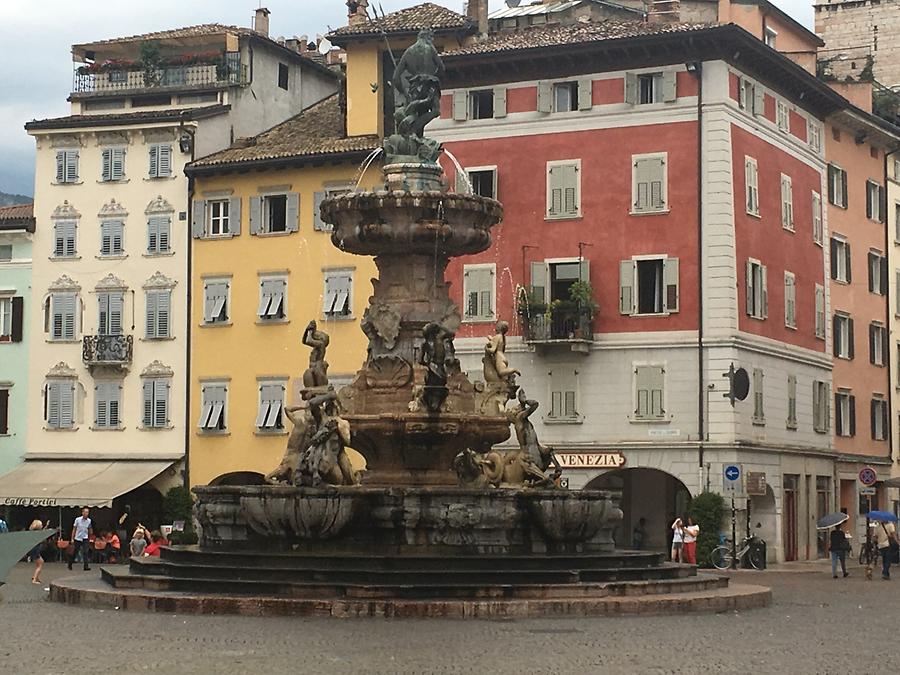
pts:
[791, 487]
[651, 494]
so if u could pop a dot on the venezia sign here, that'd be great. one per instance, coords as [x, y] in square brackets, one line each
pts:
[591, 460]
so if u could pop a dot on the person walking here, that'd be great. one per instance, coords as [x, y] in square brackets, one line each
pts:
[82, 529]
[691, 532]
[838, 545]
[37, 553]
[677, 540]
[886, 539]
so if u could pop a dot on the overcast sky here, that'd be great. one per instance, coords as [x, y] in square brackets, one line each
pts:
[36, 36]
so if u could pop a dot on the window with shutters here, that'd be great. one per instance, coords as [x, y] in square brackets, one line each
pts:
[216, 301]
[6, 319]
[877, 344]
[747, 96]
[840, 260]
[274, 210]
[320, 196]
[337, 301]
[482, 181]
[787, 203]
[160, 155]
[67, 166]
[820, 311]
[782, 116]
[217, 214]
[271, 404]
[791, 422]
[4, 411]
[213, 407]
[874, 201]
[837, 186]
[821, 406]
[790, 300]
[564, 189]
[565, 96]
[111, 306]
[814, 136]
[62, 316]
[650, 88]
[272, 299]
[112, 164]
[112, 234]
[64, 239]
[759, 411]
[59, 403]
[897, 222]
[648, 285]
[878, 271]
[649, 190]
[878, 418]
[155, 394]
[563, 392]
[649, 392]
[844, 413]
[843, 336]
[159, 314]
[478, 292]
[159, 234]
[817, 227]
[757, 292]
[107, 405]
[751, 185]
[481, 104]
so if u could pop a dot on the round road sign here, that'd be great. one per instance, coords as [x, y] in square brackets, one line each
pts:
[867, 476]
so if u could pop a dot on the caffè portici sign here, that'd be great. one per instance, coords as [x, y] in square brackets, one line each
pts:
[591, 460]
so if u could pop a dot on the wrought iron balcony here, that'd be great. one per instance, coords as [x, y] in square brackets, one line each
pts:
[563, 322]
[107, 350]
[118, 77]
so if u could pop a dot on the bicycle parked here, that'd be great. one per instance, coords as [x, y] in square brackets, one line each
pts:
[722, 557]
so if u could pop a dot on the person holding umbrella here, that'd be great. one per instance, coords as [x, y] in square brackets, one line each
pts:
[886, 539]
[838, 550]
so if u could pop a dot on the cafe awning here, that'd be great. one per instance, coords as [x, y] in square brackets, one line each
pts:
[61, 482]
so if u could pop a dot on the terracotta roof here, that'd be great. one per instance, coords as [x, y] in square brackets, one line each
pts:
[175, 33]
[17, 217]
[555, 35]
[316, 132]
[410, 20]
[142, 117]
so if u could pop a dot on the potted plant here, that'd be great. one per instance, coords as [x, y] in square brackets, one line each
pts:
[582, 295]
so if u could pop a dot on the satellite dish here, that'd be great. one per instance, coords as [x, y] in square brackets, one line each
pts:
[324, 46]
[741, 384]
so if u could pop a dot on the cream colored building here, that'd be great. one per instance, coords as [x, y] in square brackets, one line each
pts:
[893, 235]
[109, 333]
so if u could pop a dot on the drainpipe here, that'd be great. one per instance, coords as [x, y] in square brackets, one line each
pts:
[701, 385]
[186, 473]
[889, 427]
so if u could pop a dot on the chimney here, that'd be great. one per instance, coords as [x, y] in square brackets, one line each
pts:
[261, 21]
[357, 11]
[664, 11]
[477, 10]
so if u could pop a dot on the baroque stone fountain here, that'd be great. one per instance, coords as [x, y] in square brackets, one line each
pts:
[440, 523]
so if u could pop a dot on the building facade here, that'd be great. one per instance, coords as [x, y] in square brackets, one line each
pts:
[108, 349]
[264, 266]
[860, 35]
[16, 232]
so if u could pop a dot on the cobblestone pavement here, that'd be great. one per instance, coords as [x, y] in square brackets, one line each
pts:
[815, 625]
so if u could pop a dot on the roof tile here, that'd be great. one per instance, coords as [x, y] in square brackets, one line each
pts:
[71, 121]
[412, 19]
[176, 33]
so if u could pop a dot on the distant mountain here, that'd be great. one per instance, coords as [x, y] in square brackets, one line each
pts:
[9, 200]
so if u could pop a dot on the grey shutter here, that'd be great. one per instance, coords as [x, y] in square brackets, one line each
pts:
[198, 220]
[849, 262]
[105, 238]
[499, 102]
[153, 170]
[836, 333]
[116, 308]
[148, 400]
[478, 285]
[103, 314]
[872, 330]
[759, 101]
[871, 271]
[563, 193]
[669, 79]
[460, 105]
[60, 166]
[276, 307]
[234, 216]
[72, 166]
[262, 411]
[165, 160]
[163, 313]
[106, 170]
[161, 403]
[292, 216]
[255, 215]
[52, 404]
[765, 291]
[585, 93]
[748, 287]
[670, 277]
[540, 280]
[584, 270]
[844, 195]
[100, 406]
[626, 287]
[17, 318]
[117, 235]
[649, 177]
[68, 319]
[66, 404]
[118, 164]
[153, 235]
[851, 349]
[883, 272]
[838, 417]
[852, 414]
[631, 88]
[318, 224]
[151, 310]
[544, 96]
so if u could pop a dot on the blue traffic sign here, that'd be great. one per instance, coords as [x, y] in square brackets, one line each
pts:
[732, 472]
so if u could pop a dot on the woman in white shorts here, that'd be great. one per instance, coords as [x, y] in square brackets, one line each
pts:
[677, 540]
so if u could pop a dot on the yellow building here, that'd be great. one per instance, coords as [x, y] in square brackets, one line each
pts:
[263, 266]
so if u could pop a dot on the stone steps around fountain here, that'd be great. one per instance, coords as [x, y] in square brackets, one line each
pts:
[192, 555]
[156, 580]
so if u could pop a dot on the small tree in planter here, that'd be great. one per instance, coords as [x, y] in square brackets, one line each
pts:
[582, 294]
[151, 63]
[178, 505]
[707, 509]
